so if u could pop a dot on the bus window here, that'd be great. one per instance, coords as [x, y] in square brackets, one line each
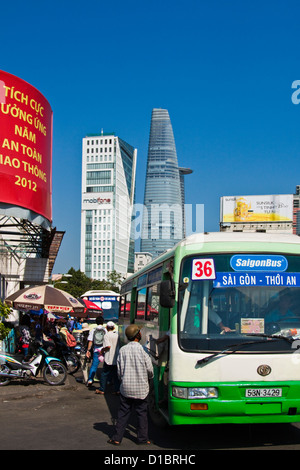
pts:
[191, 319]
[107, 300]
[141, 302]
[153, 303]
[237, 303]
[125, 305]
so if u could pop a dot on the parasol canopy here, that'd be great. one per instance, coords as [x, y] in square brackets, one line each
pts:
[46, 297]
[90, 305]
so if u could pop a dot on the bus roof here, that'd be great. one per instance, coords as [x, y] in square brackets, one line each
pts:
[220, 237]
[258, 237]
[99, 292]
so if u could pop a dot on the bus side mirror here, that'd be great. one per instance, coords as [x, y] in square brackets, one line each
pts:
[167, 294]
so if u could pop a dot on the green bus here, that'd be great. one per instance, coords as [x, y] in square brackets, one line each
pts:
[220, 317]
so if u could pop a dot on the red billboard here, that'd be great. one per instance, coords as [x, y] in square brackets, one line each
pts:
[25, 146]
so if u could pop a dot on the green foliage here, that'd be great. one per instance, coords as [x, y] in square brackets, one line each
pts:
[4, 313]
[79, 283]
[115, 280]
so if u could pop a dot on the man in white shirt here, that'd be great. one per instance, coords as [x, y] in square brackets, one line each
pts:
[110, 350]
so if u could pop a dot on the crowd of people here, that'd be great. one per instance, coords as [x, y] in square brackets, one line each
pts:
[35, 328]
[128, 368]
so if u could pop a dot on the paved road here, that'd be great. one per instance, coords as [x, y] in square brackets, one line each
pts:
[40, 417]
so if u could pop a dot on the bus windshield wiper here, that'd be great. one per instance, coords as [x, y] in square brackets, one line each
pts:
[289, 339]
[233, 348]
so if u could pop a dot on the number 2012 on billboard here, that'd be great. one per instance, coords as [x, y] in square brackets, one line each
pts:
[203, 269]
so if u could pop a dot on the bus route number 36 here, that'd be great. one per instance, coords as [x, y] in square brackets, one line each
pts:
[203, 269]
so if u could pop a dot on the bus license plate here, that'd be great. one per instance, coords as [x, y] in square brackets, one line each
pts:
[263, 392]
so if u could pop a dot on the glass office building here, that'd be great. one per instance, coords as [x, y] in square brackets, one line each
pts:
[108, 191]
[163, 214]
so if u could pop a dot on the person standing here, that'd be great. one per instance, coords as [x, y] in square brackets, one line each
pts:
[95, 343]
[25, 336]
[135, 369]
[110, 350]
[70, 323]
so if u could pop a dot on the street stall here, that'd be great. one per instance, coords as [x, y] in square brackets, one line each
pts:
[43, 301]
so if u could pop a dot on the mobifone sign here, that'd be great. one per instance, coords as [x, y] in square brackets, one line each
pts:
[92, 201]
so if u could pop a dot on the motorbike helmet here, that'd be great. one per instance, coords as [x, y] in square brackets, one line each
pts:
[131, 331]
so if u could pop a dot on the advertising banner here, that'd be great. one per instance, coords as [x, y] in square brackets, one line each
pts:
[25, 146]
[269, 208]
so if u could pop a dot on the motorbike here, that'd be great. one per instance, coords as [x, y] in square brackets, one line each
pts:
[82, 342]
[12, 367]
[63, 352]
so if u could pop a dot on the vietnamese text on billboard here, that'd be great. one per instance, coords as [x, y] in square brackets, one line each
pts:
[266, 208]
[25, 146]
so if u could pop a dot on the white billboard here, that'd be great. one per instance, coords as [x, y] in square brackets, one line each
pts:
[266, 208]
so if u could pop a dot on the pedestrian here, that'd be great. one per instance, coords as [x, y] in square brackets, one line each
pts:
[134, 370]
[70, 323]
[78, 324]
[37, 328]
[25, 335]
[84, 333]
[95, 343]
[110, 350]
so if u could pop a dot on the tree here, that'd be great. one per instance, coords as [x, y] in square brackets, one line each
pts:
[115, 280]
[79, 283]
[4, 313]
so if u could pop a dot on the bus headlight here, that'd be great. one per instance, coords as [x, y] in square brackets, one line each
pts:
[206, 392]
[194, 392]
[180, 392]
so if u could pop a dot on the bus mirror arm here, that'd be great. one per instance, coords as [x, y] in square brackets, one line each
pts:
[183, 286]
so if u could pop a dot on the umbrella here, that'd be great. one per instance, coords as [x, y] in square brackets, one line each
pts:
[89, 307]
[46, 297]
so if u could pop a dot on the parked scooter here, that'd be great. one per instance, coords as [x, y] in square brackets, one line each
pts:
[12, 367]
[63, 352]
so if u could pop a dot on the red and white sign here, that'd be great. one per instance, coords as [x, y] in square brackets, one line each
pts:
[25, 146]
[203, 269]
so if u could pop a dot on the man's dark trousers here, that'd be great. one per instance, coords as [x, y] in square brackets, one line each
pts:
[141, 409]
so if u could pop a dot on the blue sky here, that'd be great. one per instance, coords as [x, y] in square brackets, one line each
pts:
[223, 68]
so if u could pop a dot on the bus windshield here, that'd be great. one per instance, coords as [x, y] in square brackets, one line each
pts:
[225, 298]
[108, 302]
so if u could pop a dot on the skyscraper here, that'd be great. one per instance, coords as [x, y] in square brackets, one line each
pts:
[182, 173]
[296, 211]
[108, 189]
[163, 213]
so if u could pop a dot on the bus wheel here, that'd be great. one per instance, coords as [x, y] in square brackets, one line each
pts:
[155, 415]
